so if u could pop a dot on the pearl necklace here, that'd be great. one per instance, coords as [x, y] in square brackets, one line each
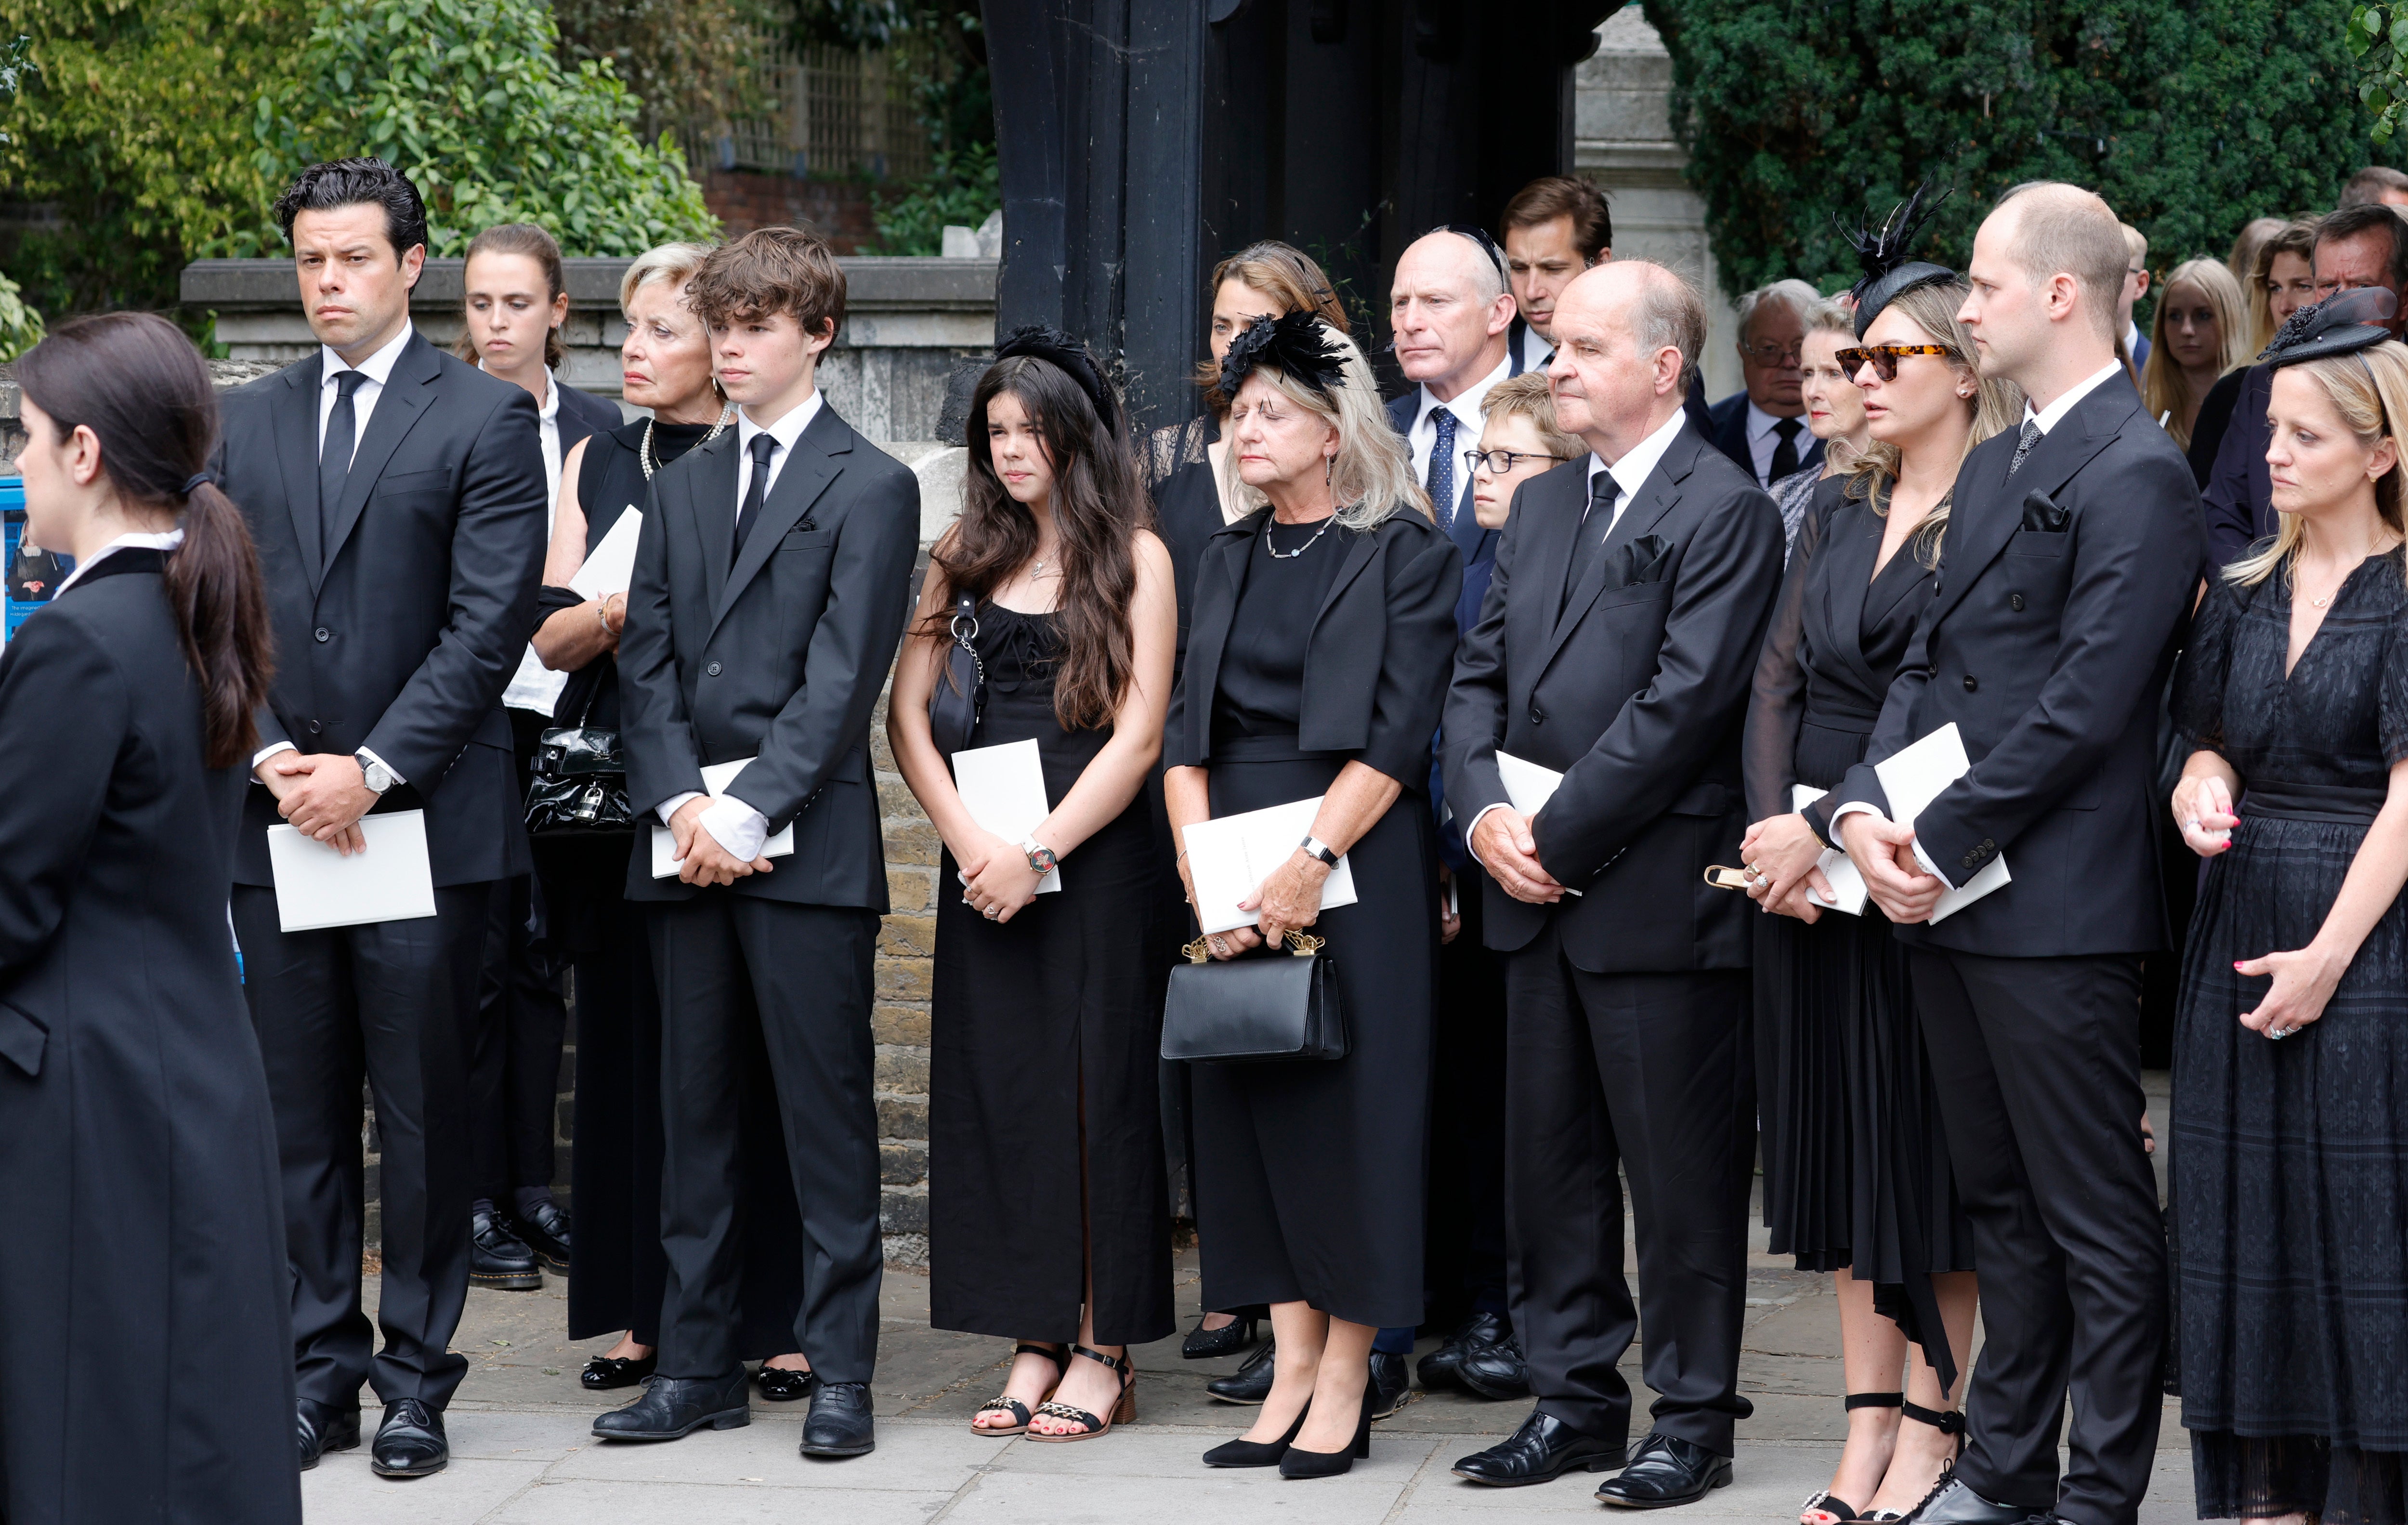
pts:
[644, 456]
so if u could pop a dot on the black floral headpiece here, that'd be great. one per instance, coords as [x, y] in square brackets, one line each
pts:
[1070, 355]
[1881, 252]
[2347, 321]
[1295, 344]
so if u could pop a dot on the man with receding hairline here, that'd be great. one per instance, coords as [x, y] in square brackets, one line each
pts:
[2063, 590]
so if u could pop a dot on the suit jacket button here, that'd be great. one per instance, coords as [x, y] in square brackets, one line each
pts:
[1987, 846]
[1970, 683]
[315, 727]
[2015, 602]
[712, 669]
[322, 633]
[1537, 716]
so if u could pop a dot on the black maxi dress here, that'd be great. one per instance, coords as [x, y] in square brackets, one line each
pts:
[616, 1267]
[146, 1329]
[1856, 1164]
[2290, 1158]
[1044, 1034]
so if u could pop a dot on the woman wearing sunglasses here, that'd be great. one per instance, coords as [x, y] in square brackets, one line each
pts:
[1856, 1170]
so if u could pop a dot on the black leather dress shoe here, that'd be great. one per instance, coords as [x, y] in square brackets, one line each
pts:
[410, 1443]
[1391, 1381]
[498, 1257]
[780, 1386]
[605, 1373]
[1953, 1504]
[321, 1428]
[1478, 1333]
[1250, 1383]
[1667, 1471]
[1497, 1370]
[674, 1408]
[1210, 1343]
[1543, 1450]
[840, 1422]
[546, 1231]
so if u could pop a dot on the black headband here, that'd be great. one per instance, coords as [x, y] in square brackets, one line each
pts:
[1295, 344]
[1069, 355]
[1882, 252]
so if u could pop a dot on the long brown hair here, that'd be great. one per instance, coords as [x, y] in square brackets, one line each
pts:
[535, 244]
[1292, 279]
[135, 381]
[1099, 506]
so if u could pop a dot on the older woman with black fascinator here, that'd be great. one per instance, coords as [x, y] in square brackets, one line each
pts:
[1856, 1177]
[2292, 1035]
[1049, 1216]
[1318, 659]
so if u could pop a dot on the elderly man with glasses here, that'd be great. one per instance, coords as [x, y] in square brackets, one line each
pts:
[1763, 428]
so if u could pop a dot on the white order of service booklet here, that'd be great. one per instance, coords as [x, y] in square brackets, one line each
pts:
[715, 778]
[608, 569]
[1229, 855]
[1003, 787]
[1847, 885]
[1913, 778]
[317, 887]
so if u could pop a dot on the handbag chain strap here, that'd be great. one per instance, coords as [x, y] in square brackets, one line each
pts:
[1300, 945]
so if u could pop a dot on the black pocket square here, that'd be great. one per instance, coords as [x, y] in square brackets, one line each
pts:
[1646, 559]
[2041, 514]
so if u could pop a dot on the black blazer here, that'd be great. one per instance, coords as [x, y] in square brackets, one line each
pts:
[582, 413]
[2238, 492]
[1730, 437]
[779, 657]
[402, 636]
[1375, 667]
[2048, 647]
[1636, 692]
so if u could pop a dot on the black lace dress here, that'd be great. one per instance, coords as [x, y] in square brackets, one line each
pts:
[1856, 1164]
[2290, 1158]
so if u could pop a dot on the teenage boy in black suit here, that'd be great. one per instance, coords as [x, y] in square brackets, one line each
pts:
[773, 573]
[397, 497]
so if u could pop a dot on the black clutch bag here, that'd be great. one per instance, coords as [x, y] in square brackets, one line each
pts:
[1254, 1009]
[581, 781]
[960, 694]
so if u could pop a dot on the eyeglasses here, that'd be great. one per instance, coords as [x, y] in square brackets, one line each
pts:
[1500, 463]
[1884, 358]
[1776, 355]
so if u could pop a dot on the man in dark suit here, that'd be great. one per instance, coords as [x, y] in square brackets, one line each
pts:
[773, 577]
[1553, 228]
[397, 498]
[1617, 646]
[2062, 592]
[1762, 428]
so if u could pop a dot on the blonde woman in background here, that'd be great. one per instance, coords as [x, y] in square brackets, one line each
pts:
[2194, 339]
[1835, 412]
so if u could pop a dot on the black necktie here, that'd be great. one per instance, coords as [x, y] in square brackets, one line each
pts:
[1603, 491]
[1442, 471]
[765, 445]
[1784, 455]
[335, 455]
[2024, 443]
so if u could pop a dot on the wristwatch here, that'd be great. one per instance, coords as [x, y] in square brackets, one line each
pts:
[1041, 858]
[375, 775]
[1314, 847]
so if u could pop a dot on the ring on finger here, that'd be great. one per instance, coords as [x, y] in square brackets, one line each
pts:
[988, 912]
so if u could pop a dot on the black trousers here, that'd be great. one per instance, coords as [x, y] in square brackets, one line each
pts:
[392, 1001]
[522, 1023]
[1652, 1074]
[2037, 1062]
[730, 966]
[1464, 1267]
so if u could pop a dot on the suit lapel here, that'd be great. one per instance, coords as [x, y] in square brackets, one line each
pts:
[399, 404]
[1979, 530]
[1359, 551]
[1656, 495]
[296, 459]
[710, 489]
[819, 455]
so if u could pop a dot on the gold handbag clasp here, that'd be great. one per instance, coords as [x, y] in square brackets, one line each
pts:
[1725, 878]
[1304, 944]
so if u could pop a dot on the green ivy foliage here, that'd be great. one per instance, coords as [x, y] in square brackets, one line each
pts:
[961, 189]
[470, 98]
[2189, 116]
[21, 326]
[2378, 39]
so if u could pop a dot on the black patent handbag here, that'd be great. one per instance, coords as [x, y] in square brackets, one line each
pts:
[960, 693]
[580, 779]
[1255, 1010]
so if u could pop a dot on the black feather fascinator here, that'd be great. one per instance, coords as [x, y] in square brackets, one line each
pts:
[1070, 355]
[2348, 320]
[1294, 345]
[1881, 252]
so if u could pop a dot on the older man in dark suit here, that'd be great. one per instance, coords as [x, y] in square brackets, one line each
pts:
[1616, 647]
[397, 497]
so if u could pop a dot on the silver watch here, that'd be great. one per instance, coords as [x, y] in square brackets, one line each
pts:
[375, 775]
[1315, 848]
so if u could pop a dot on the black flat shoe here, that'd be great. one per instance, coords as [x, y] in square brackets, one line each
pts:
[674, 1408]
[410, 1443]
[1953, 1504]
[1250, 1383]
[841, 1422]
[321, 1428]
[498, 1257]
[1543, 1450]
[546, 1231]
[780, 1386]
[1496, 1371]
[1210, 1343]
[1666, 1472]
[1255, 1453]
[1391, 1383]
[1299, 1462]
[603, 1373]
[1439, 1368]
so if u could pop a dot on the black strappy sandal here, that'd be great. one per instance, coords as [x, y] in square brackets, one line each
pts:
[1013, 1406]
[1948, 1422]
[1123, 1408]
[1840, 1510]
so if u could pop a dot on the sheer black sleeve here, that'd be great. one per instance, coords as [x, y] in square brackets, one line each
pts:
[1168, 448]
[2206, 662]
[2394, 718]
[1770, 750]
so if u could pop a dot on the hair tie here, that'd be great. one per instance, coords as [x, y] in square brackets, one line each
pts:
[196, 480]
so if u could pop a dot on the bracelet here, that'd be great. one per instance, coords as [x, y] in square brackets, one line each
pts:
[1181, 859]
[602, 613]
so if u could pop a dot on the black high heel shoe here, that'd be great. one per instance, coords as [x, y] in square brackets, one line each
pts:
[1210, 1343]
[1254, 1453]
[1299, 1462]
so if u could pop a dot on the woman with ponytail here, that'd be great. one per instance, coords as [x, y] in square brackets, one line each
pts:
[145, 1333]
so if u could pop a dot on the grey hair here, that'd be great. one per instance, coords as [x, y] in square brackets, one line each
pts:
[673, 263]
[1371, 476]
[1829, 317]
[1669, 314]
[1793, 294]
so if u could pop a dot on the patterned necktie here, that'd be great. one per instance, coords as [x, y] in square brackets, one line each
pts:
[335, 455]
[765, 445]
[1442, 470]
[2024, 442]
[1589, 544]
[1784, 455]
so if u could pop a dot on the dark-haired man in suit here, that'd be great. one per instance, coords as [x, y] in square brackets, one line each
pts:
[397, 499]
[1617, 646]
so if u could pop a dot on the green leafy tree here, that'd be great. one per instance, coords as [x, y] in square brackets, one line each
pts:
[688, 63]
[961, 189]
[2189, 116]
[470, 98]
[2378, 39]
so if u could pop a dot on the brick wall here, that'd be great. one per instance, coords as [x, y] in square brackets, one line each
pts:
[746, 199]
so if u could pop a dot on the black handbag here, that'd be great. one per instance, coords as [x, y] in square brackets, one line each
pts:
[1253, 1010]
[960, 694]
[580, 779]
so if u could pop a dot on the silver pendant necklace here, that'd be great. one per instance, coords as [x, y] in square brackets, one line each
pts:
[1277, 555]
[644, 456]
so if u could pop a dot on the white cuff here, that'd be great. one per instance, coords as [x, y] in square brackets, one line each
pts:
[1856, 807]
[1929, 866]
[370, 754]
[271, 750]
[739, 828]
[675, 803]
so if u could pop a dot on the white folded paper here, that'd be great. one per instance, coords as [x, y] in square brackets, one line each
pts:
[1847, 885]
[1003, 787]
[318, 886]
[715, 778]
[1528, 787]
[1228, 858]
[537, 688]
[1913, 778]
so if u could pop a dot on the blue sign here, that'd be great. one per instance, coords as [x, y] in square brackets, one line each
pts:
[12, 512]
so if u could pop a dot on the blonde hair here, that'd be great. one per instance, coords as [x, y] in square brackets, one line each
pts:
[2164, 388]
[673, 263]
[2292, 238]
[1995, 404]
[2369, 389]
[1371, 476]
[1527, 397]
[1830, 316]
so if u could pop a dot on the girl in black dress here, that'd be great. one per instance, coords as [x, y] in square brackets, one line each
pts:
[1856, 1177]
[1049, 1219]
[2290, 1153]
[146, 1334]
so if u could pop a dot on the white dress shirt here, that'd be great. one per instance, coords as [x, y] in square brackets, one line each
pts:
[736, 826]
[1465, 406]
[165, 540]
[1536, 352]
[1764, 438]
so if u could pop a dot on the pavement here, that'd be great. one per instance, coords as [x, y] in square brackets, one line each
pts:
[523, 1453]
